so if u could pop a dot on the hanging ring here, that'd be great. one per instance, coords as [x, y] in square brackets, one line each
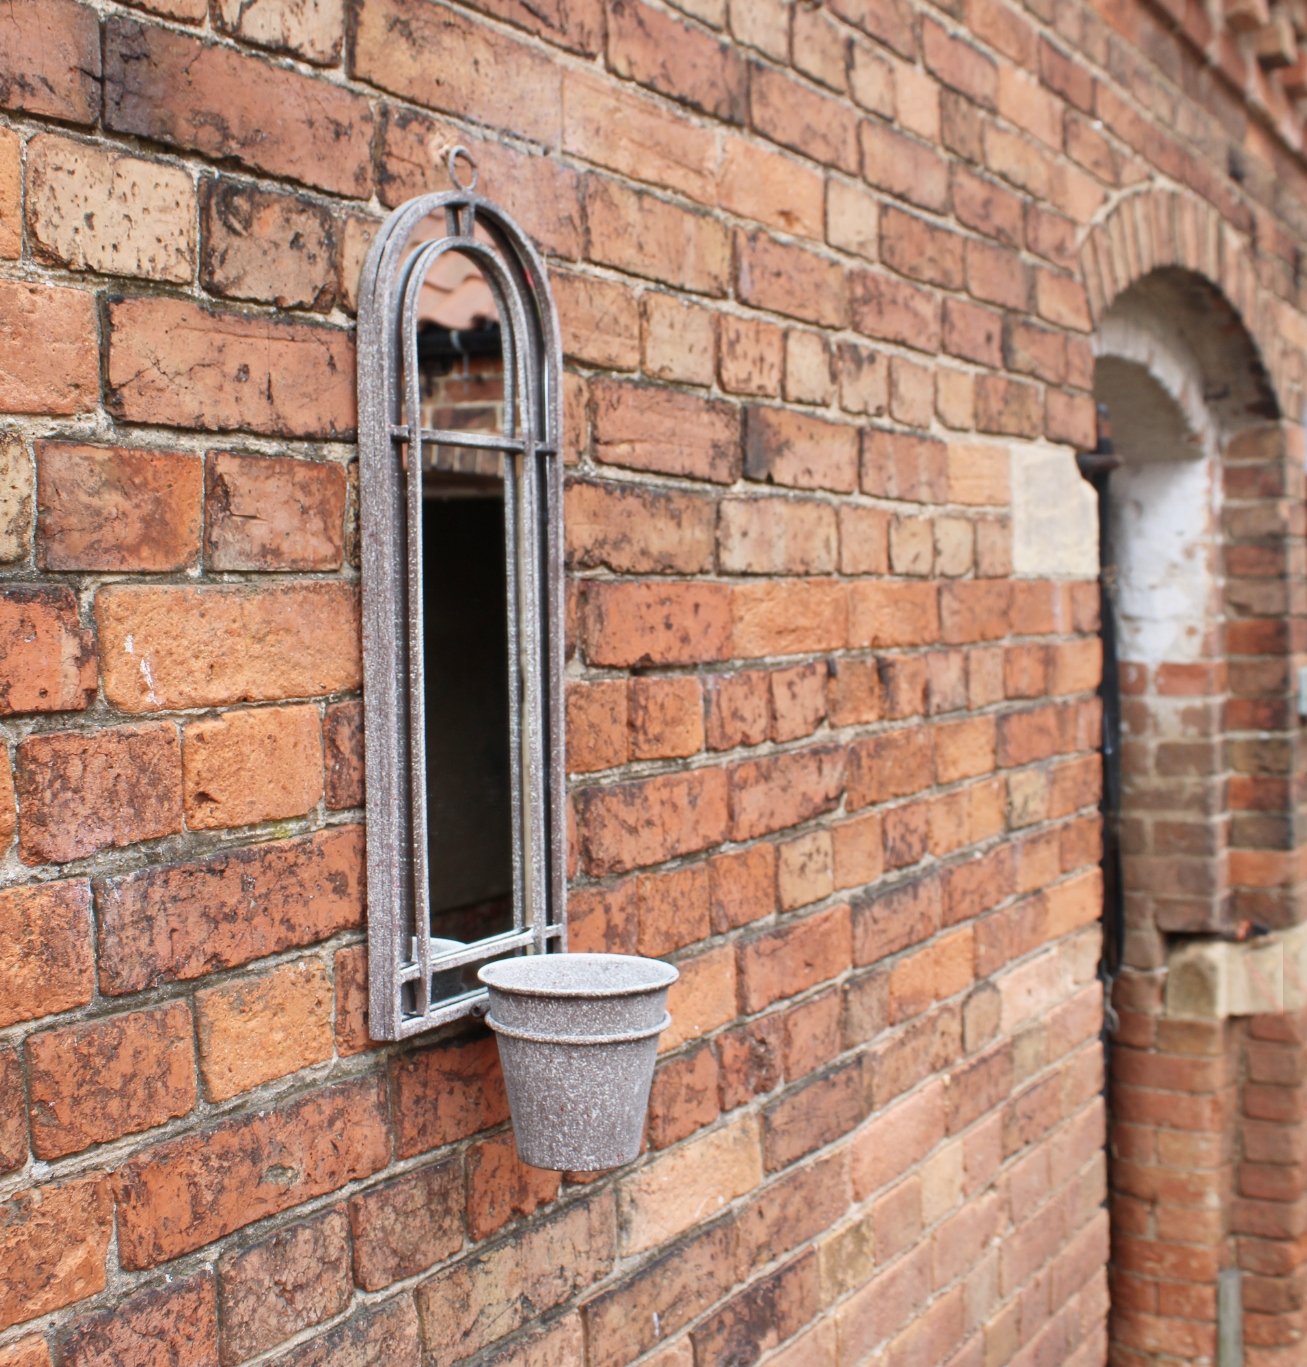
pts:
[452, 158]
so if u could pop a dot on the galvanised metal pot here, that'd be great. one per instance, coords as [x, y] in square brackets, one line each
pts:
[578, 1037]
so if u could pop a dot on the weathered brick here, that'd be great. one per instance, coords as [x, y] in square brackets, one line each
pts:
[26, 1352]
[199, 647]
[803, 452]
[46, 962]
[796, 116]
[13, 1112]
[171, 87]
[655, 239]
[80, 792]
[903, 166]
[247, 1168]
[252, 765]
[777, 536]
[372, 1338]
[342, 741]
[499, 1187]
[895, 310]
[784, 962]
[99, 209]
[684, 1097]
[808, 375]
[484, 1297]
[185, 920]
[51, 348]
[750, 356]
[92, 1083]
[676, 59]
[666, 431]
[666, 717]
[50, 62]
[407, 1224]
[785, 278]
[273, 248]
[116, 508]
[446, 1092]
[629, 825]
[47, 659]
[172, 1326]
[296, 1278]
[782, 790]
[16, 490]
[600, 320]
[263, 1026]
[312, 31]
[633, 623]
[678, 339]
[180, 364]
[53, 1242]
[687, 1184]
[637, 530]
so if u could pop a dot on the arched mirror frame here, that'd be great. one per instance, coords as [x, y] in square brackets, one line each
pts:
[404, 958]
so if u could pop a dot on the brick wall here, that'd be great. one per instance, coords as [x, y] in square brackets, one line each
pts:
[827, 279]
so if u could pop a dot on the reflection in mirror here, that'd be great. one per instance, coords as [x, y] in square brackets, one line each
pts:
[465, 597]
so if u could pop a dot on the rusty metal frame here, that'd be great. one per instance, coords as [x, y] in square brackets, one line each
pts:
[402, 953]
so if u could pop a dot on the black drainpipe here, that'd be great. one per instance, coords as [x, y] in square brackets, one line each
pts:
[1097, 466]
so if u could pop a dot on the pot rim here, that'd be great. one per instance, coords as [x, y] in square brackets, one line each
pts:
[667, 976]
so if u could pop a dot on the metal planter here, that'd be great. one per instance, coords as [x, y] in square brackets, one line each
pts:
[578, 1036]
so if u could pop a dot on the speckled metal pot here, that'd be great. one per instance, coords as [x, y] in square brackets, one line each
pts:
[578, 1036]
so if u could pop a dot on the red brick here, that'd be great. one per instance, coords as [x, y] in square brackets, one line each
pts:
[92, 1083]
[53, 1242]
[893, 764]
[679, 339]
[665, 430]
[469, 1305]
[784, 962]
[26, 1352]
[777, 536]
[252, 765]
[50, 63]
[959, 65]
[173, 1326]
[500, 1187]
[446, 1092]
[637, 530]
[194, 647]
[407, 1224]
[652, 238]
[296, 1278]
[597, 731]
[543, 195]
[757, 182]
[114, 508]
[273, 513]
[51, 348]
[666, 717]
[789, 617]
[47, 659]
[100, 209]
[263, 1026]
[784, 447]
[917, 248]
[269, 247]
[635, 623]
[684, 1097]
[783, 790]
[371, 1338]
[170, 87]
[674, 910]
[739, 709]
[177, 363]
[766, 1314]
[785, 278]
[313, 33]
[646, 821]
[186, 920]
[342, 738]
[83, 792]
[13, 1112]
[11, 195]
[885, 922]
[903, 166]
[676, 59]
[742, 887]
[750, 356]
[600, 320]
[940, 970]
[895, 310]
[796, 116]
[814, 1115]
[247, 1168]
[798, 700]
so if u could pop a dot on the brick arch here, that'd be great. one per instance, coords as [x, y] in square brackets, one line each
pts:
[1153, 228]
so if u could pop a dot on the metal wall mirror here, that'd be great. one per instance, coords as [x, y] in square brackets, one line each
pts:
[460, 484]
